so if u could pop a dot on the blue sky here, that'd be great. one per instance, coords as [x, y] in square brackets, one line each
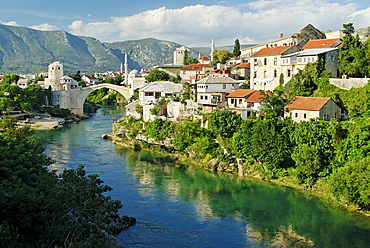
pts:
[191, 23]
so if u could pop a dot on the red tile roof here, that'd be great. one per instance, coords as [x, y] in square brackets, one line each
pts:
[323, 43]
[271, 51]
[244, 65]
[240, 93]
[205, 57]
[307, 103]
[257, 96]
[195, 67]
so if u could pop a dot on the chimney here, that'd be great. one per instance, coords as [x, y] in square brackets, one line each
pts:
[281, 36]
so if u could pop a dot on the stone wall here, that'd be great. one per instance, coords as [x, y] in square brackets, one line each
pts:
[347, 84]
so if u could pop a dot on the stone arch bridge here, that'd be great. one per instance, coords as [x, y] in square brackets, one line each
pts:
[74, 99]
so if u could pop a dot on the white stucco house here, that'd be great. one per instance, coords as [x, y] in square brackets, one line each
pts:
[246, 102]
[152, 92]
[306, 108]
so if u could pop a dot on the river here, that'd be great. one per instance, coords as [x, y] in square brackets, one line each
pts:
[185, 206]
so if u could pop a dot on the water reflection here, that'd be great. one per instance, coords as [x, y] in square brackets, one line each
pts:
[274, 216]
[184, 206]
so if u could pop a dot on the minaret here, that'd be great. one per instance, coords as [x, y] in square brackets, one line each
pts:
[212, 48]
[126, 70]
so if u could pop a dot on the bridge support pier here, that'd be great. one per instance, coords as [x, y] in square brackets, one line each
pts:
[77, 111]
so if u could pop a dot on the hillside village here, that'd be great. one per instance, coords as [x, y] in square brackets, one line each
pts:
[241, 84]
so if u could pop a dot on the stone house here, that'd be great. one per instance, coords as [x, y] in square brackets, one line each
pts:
[243, 70]
[266, 67]
[212, 91]
[306, 108]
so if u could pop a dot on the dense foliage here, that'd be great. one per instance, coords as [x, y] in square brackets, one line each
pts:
[220, 56]
[40, 208]
[14, 97]
[352, 59]
[157, 75]
[303, 153]
[188, 60]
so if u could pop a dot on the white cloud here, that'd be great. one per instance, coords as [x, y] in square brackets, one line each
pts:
[11, 23]
[45, 27]
[196, 25]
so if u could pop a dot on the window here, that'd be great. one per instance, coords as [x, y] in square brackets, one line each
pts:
[296, 115]
[255, 74]
[304, 116]
[232, 101]
[224, 86]
[149, 94]
[264, 74]
[201, 97]
[288, 73]
[205, 97]
[332, 58]
[157, 94]
[265, 61]
[275, 73]
[275, 61]
[240, 101]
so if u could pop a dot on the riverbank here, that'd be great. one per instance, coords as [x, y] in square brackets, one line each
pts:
[318, 190]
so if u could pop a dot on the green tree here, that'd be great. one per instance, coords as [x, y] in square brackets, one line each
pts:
[42, 209]
[272, 106]
[176, 79]
[351, 183]
[220, 56]
[303, 83]
[76, 76]
[310, 139]
[271, 146]
[10, 79]
[188, 60]
[352, 58]
[224, 123]
[157, 75]
[185, 134]
[236, 51]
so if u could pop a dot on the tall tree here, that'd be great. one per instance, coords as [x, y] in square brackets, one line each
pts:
[236, 51]
[352, 59]
[188, 60]
[220, 56]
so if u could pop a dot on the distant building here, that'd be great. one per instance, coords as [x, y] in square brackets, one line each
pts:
[179, 54]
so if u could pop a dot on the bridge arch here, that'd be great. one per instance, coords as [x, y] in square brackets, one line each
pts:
[80, 95]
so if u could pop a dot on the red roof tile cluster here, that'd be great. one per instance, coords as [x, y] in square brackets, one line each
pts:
[240, 93]
[244, 65]
[271, 51]
[257, 96]
[307, 103]
[323, 43]
[205, 58]
[195, 66]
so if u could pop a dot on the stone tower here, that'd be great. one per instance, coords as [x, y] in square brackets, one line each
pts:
[55, 73]
[178, 55]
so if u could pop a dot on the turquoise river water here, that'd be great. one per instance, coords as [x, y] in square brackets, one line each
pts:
[185, 206]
